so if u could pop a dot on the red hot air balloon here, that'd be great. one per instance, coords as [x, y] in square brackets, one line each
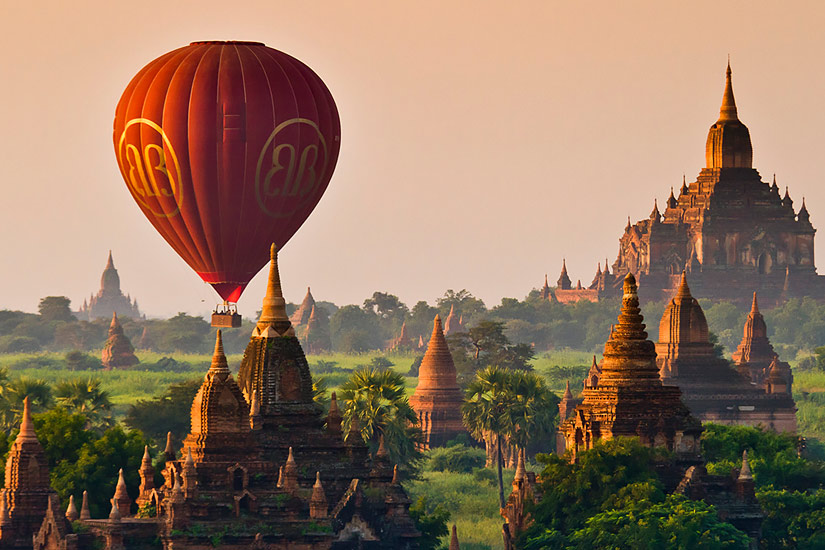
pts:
[226, 147]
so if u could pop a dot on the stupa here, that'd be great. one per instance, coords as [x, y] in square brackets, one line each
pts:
[437, 399]
[755, 354]
[118, 352]
[629, 398]
[711, 387]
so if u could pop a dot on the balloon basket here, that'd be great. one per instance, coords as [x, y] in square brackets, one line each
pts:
[226, 316]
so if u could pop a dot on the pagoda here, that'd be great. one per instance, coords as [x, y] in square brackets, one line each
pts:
[301, 316]
[24, 499]
[263, 466]
[109, 298]
[731, 231]
[453, 324]
[316, 333]
[755, 354]
[118, 352]
[437, 399]
[629, 398]
[711, 387]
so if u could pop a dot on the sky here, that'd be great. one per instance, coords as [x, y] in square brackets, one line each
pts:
[482, 142]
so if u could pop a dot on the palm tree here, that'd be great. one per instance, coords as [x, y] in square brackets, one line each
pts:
[377, 398]
[486, 409]
[13, 394]
[535, 409]
[87, 398]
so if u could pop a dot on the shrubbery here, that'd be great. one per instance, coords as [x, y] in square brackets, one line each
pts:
[458, 458]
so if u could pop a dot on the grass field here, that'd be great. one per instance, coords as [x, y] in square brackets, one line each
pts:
[473, 505]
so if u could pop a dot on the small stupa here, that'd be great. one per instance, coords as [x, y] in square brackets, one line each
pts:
[118, 352]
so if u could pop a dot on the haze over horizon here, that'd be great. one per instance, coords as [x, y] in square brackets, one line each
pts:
[481, 143]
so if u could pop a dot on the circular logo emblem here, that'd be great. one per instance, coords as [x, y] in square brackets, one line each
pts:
[150, 167]
[287, 174]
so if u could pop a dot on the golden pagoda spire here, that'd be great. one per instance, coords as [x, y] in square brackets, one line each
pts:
[219, 365]
[728, 109]
[26, 424]
[754, 304]
[684, 290]
[273, 312]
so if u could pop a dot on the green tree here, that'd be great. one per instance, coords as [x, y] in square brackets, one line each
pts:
[183, 333]
[166, 413]
[675, 523]
[377, 398]
[464, 303]
[353, 329]
[55, 308]
[431, 522]
[387, 306]
[86, 397]
[13, 394]
[486, 409]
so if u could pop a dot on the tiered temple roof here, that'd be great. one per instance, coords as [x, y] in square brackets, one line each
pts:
[109, 298]
[437, 399]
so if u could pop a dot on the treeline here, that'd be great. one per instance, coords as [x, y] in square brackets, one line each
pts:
[797, 325]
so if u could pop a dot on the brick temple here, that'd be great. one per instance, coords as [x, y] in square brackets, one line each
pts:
[625, 396]
[118, 352]
[732, 232]
[712, 388]
[262, 468]
[109, 298]
[437, 399]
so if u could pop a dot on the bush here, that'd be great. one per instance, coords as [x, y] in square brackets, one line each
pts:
[77, 360]
[485, 475]
[458, 459]
[18, 344]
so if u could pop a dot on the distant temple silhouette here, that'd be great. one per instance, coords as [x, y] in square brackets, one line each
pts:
[109, 299]
[732, 232]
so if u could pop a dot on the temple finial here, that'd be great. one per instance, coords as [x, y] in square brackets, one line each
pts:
[745, 472]
[728, 109]
[219, 364]
[273, 312]
[26, 424]
[754, 304]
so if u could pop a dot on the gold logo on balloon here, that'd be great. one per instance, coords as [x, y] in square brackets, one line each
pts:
[151, 170]
[286, 176]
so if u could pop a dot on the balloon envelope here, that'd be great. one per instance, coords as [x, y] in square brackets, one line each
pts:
[226, 147]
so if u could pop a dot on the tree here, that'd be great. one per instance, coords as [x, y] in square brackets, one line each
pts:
[387, 306]
[15, 391]
[353, 329]
[184, 333]
[486, 410]
[86, 397]
[377, 398]
[431, 522]
[55, 308]
[166, 413]
[464, 303]
[535, 411]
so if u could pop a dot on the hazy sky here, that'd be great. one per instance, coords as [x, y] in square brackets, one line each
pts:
[481, 141]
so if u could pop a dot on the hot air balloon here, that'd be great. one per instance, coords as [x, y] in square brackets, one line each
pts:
[226, 147]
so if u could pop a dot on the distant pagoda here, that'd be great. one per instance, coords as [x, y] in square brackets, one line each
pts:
[711, 387]
[109, 298]
[118, 352]
[437, 399]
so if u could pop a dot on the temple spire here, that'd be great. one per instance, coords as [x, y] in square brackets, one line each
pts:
[728, 109]
[26, 424]
[273, 312]
[684, 290]
[219, 364]
[754, 305]
[745, 472]
[454, 540]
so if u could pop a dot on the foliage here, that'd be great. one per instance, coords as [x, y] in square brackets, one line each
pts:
[78, 360]
[377, 399]
[168, 412]
[794, 519]
[431, 522]
[353, 329]
[86, 397]
[774, 458]
[458, 458]
[55, 308]
[18, 344]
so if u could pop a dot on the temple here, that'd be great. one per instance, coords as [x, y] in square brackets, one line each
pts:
[263, 467]
[755, 357]
[629, 398]
[118, 352]
[437, 399]
[732, 232]
[712, 388]
[453, 324]
[24, 499]
[109, 298]
[625, 396]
